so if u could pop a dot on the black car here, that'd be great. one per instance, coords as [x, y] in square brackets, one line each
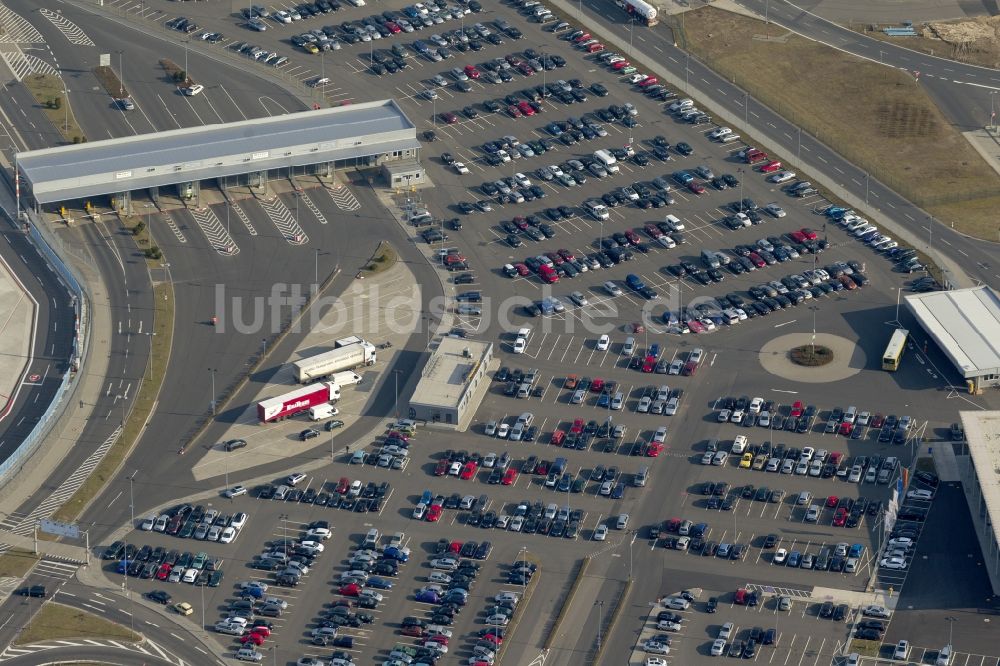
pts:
[160, 597]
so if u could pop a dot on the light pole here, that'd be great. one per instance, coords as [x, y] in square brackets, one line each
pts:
[687, 71]
[316, 268]
[866, 187]
[131, 497]
[121, 76]
[600, 621]
[798, 150]
[187, 75]
[213, 371]
[635, 534]
[395, 379]
[66, 105]
[951, 625]
[746, 108]
[814, 309]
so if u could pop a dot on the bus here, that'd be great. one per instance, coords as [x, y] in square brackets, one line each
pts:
[894, 352]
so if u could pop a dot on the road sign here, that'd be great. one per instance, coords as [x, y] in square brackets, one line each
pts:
[105, 60]
[69, 530]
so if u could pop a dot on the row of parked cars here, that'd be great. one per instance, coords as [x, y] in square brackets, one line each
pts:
[166, 565]
[197, 522]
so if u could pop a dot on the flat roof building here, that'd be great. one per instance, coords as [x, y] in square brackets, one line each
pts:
[366, 134]
[979, 469]
[965, 323]
[453, 382]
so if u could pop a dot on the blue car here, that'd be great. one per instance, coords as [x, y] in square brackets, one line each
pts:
[856, 550]
[654, 351]
[604, 400]
[122, 566]
[683, 177]
[835, 211]
[427, 497]
[398, 554]
[794, 559]
[379, 583]
[428, 597]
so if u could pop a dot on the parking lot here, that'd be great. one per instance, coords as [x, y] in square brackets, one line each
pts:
[564, 350]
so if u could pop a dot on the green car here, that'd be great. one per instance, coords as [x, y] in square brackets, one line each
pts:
[628, 70]
[199, 560]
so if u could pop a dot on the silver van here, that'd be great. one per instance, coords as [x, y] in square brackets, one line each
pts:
[640, 478]
[622, 521]
[371, 539]
[629, 347]
[358, 458]
[281, 493]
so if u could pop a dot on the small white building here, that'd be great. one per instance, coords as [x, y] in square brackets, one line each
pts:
[453, 382]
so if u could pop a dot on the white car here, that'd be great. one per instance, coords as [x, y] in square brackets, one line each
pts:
[656, 661]
[719, 133]
[876, 611]
[603, 343]
[491, 429]
[419, 511]
[781, 176]
[612, 288]
[901, 542]
[780, 556]
[439, 577]
[676, 603]
[460, 168]
[295, 478]
[655, 648]
[191, 575]
[502, 431]
[520, 345]
[737, 416]
[920, 495]
[601, 532]
[724, 415]
[509, 597]
[147, 523]
[490, 460]
[756, 404]
[675, 367]
[191, 91]
[902, 651]
[718, 647]
[228, 535]
[578, 298]
[666, 625]
[318, 534]
[726, 631]
[660, 435]
[892, 563]
[671, 407]
[774, 209]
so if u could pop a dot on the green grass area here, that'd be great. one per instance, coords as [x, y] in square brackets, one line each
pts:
[15, 563]
[55, 621]
[163, 327]
[49, 92]
[866, 648]
[385, 257]
[878, 117]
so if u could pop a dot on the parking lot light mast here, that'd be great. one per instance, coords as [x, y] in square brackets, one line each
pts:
[600, 621]
[951, 625]
[213, 371]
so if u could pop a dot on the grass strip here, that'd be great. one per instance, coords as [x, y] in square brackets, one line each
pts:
[55, 622]
[879, 118]
[109, 79]
[383, 259]
[50, 93]
[16, 563]
[163, 327]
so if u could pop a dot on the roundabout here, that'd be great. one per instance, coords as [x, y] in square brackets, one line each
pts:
[836, 358]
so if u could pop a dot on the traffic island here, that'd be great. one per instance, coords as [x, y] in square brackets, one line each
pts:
[51, 94]
[55, 621]
[811, 355]
[112, 84]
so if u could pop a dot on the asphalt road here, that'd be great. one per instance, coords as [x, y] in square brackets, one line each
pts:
[961, 91]
[53, 339]
[976, 257]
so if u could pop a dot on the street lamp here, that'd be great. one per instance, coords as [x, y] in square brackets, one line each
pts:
[213, 371]
[635, 535]
[395, 378]
[66, 105]
[951, 625]
[121, 76]
[814, 309]
[600, 621]
[315, 266]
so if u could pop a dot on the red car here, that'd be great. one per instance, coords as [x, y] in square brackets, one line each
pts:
[648, 81]
[696, 187]
[577, 427]
[797, 236]
[796, 409]
[471, 72]
[846, 428]
[654, 449]
[835, 458]
[653, 231]
[439, 639]
[514, 111]
[582, 38]
[441, 469]
[252, 638]
[493, 638]
[522, 269]
[877, 421]
[548, 274]
[525, 69]
[632, 237]
[521, 221]
[449, 117]
[543, 468]
[595, 48]
[673, 525]
[757, 260]
[753, 156]
[343, 485]
[832, 500]
[649, 364]
[514, 60]
[696, 326]
[393, 27]
[557, 437]
[808, 233]
[262, 630]
[413, 630]
[510, 477]
[771, 166]
[526, 109]
[597, 385]
[455, 547]
[434, 514]
[163, 572]
[556, 259]
[621, 64]
[350, 590]
[840, 518]
[468, 471]
[567, 255]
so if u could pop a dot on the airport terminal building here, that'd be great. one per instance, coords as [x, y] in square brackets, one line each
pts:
[245, 153]
[979, 468]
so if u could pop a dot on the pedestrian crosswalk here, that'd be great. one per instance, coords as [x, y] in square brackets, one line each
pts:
[343, 197]
[22, 64]
[284, 221]
[49, 568]
[16, 30]
[24, 524]
[145, 647]
[217, 234]
[70, 30]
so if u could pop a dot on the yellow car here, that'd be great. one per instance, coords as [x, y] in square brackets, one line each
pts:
[310, 47]
[183, 608]
[746, 460]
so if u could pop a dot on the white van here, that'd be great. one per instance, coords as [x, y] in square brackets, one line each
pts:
[371, 539]
[622, 521]
[739, 445]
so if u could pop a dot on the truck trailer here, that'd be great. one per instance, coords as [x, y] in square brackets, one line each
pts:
[336, 360]
[642, 11]
[297, 401]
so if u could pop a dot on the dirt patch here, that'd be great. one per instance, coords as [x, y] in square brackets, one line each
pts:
[55, 621]
[878, 117]
[109, 79]
[811, 356]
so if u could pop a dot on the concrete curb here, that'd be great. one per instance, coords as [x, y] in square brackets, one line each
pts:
[613, 620]
[567, 603]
